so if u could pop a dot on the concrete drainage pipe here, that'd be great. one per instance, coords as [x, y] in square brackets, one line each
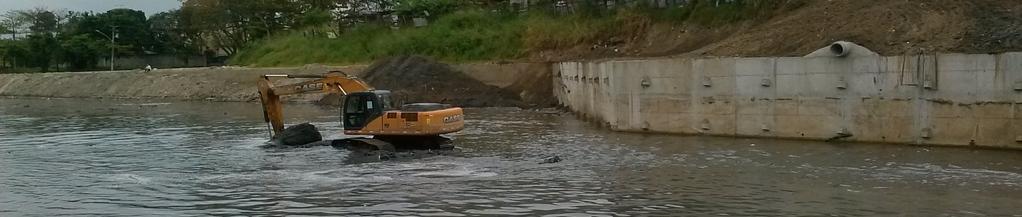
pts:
[841, 48]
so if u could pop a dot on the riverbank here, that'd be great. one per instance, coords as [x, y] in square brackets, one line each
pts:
[238, 83]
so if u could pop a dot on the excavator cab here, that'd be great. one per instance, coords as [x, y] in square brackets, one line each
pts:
[362, 107]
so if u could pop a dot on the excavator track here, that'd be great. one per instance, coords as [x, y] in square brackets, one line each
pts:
[418, 142]
[393, 144]
[363, 144]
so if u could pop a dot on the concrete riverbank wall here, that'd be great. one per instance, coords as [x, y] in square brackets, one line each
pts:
[941, 99]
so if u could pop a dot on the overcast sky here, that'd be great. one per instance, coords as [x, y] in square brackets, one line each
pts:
[150, 7]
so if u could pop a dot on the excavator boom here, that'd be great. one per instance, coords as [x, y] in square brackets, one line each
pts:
[332, 82]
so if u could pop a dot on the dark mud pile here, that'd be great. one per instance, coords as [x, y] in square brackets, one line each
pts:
[414, 79]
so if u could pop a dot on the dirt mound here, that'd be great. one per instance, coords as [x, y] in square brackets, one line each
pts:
[421, 79]
[888, 27]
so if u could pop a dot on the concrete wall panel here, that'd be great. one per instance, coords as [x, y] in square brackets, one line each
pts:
[790, 85]
[754, 66]
[891, 129]
[953, 131]
[947, 99]
[823, 85]
[714, 124]
[754, 86]
[755, 125]
[866, 65]
[787, 126]
[993, 110]
[817, 126]
[754, 106]
[966, 62]
[990, 131]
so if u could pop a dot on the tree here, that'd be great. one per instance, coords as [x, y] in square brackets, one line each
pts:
[10, 51]
[322, 5]
[13, 51]
[132, 30]
[82, 51]
[427, 8]
[4, 29]
[81, 45]
[232, 24]
[15, 22]
[314, 18]
[43, 21]
[44, 49]
[216, 20]
[171, 38]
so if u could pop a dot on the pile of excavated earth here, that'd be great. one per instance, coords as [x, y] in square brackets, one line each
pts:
[414, 79]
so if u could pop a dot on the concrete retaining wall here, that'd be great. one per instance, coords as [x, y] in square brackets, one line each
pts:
[946, 99]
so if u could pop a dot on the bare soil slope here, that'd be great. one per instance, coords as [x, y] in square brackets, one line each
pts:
[889, 27]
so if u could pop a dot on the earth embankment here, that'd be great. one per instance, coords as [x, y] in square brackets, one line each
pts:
[238, 84]
[217, 83]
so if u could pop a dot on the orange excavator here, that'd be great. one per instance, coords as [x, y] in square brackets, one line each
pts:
[366, 111]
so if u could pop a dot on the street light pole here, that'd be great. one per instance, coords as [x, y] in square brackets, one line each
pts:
[112, 36]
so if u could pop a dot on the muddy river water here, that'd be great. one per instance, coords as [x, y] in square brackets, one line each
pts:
[131, 158]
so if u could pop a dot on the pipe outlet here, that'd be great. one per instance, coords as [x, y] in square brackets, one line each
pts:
[841, 48]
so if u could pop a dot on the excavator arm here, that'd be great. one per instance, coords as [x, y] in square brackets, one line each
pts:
[332, 82]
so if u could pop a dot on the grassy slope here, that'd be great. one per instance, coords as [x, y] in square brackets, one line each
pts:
[466, 35]
[472, 35]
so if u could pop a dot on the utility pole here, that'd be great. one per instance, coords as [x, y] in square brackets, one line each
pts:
[112, 37]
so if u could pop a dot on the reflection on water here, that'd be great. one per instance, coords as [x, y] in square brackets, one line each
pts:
[106, 158]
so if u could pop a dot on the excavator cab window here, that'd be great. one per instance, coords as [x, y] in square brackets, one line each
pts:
[361, 108]
[386, 102]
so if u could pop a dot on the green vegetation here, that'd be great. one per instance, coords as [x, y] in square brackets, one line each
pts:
[473, 34]
[295, 32]
[464, 35]
[44, 40]
[41, 40]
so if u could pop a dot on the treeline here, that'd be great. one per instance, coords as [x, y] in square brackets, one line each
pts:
[46, 40]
